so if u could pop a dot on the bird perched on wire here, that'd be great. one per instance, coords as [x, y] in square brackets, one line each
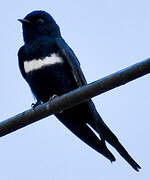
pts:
[51, 68]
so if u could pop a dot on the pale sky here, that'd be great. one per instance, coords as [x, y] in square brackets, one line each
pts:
[106, 37]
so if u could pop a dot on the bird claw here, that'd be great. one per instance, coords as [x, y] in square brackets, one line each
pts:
[34, 105]
[53, 97]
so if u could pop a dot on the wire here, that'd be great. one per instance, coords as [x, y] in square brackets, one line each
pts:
[75, 97]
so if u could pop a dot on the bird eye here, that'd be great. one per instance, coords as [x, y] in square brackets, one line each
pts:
[40, 21]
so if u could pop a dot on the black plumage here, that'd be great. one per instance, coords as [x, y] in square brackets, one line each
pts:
[50, 67]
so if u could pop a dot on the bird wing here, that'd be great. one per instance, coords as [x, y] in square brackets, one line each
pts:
[67, 53]
[96, 121]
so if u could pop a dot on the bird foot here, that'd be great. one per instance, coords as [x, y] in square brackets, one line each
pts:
[34, 105]
[53, 97]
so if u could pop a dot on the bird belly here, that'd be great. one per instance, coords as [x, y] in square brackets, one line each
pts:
[50, 80]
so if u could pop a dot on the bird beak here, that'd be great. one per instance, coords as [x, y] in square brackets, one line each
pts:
[23, 21]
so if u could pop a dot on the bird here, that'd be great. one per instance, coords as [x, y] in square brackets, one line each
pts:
[51, 68]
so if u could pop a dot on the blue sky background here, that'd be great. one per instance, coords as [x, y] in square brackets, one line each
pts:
[106, 36]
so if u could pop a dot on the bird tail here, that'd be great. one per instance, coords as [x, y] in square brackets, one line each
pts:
[83, 131]
[106, 134]
[112, 139]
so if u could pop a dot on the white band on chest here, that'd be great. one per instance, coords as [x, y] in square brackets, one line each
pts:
[36, 64]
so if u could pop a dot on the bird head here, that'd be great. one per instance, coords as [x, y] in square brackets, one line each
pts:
[39, 24]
